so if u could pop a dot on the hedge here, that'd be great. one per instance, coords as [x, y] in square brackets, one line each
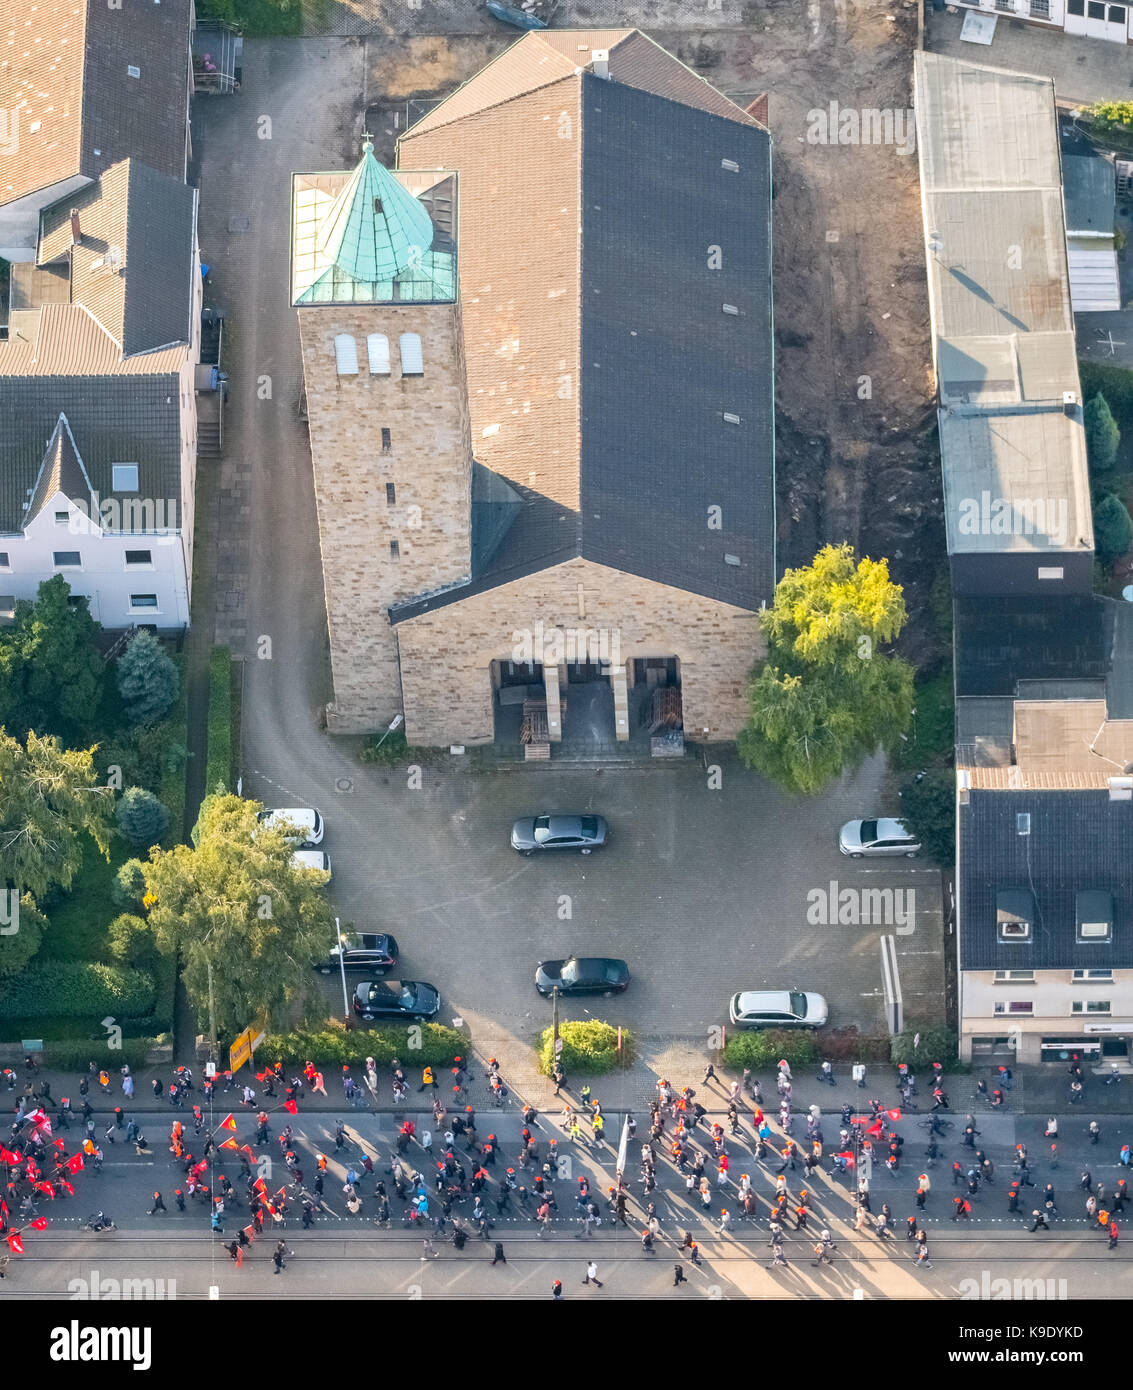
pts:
[760, 1049]
[218, 762]
[936, 1044]
[78, 989]
[439, 1046]
[590, 1047]
[174, 779]
[73, 1054]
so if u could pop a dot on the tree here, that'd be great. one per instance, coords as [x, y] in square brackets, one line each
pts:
[1102, 435]
[49, 801]
[129, 886]
[147, 679]
[1113, 530]
[50, 670]
[235, 901]
[142, 818]
[929, 810]
[18, 947]
[827, 695]
[133, 942]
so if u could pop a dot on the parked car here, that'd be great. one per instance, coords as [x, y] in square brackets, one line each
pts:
[583, 975]
[312, 859]
[582, 833]
[303, 824]
[373, 952]
[777, 1008]
[868, 839]
[396, 999]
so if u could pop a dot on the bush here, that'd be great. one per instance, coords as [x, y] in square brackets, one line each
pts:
[218, 765]
[147, 679]
[760, 1049]
[142, 819]
[129, 886]
[928, 808]
[143, 756]
[1102, 435]
[18, 948]
[132, 942]
[391, 750]
[78, 989]
[338, 1045]
[931, 736]
[1113, 529]
[936, 1044]
[589, 1047]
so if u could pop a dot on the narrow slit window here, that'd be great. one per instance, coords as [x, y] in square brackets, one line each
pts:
[412, 360]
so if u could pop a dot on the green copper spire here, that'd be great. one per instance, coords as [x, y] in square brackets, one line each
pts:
[375, 229]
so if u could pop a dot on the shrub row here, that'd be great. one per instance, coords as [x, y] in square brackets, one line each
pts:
[173, 781]
[326, 1046]
[935, 1044]
[218, 762]
[78, 989]
[589, 1047]
[74, 1054]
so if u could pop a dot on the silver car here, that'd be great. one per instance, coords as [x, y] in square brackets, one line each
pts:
[579, 833]
[778, 1008]
[870, 839]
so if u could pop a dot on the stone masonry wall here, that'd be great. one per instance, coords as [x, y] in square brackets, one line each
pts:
[445, 654]
[429, 464]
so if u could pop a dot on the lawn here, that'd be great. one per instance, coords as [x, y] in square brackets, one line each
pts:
[79, 918]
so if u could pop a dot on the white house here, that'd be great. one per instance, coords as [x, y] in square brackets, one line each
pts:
[98, 429]
[1092, 19]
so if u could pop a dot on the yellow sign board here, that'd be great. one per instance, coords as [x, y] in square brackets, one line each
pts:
[242, 1048]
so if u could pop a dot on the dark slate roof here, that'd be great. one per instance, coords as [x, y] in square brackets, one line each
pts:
[1001, 641]
[1079, 841]
[133, 267]
[661, 363]
[62, 471]
[113, 419]
[67, 74]
[1089, 187]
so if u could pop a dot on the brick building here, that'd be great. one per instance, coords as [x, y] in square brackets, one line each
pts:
[539, 380]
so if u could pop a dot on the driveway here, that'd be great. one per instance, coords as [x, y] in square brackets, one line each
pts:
[703, 890]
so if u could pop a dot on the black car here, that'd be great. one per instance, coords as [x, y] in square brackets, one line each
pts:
[583, 975]
[374, 952]
[396, 999]
[581, 833]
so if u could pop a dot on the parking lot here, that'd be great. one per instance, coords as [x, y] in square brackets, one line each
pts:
[702, 891]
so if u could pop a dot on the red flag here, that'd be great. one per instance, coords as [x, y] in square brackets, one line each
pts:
[290, 1107]
[39, 1224]
[894, 1114]
[7, 1156]
[229, 1122]
[260, 1186]
[15, 1244]
[45, 1187]
[250, 1232]
[247, 1149]
[3, 1207]
[228, 1144]
[75, 1164]
[60, 1143]
[64, 1183]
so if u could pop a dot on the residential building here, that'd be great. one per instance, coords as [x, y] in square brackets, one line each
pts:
[1016, 487]
[1044, 911]
[539, 377]
[1091, 19]
[85, 85]
[98, 401]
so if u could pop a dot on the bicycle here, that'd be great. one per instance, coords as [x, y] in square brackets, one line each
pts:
[933, 1124]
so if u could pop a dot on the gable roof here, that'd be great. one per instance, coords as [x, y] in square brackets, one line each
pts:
[133, 267]
[601, 362]
[62, 471]
[108, 420]
[545, 56]
[64, 71]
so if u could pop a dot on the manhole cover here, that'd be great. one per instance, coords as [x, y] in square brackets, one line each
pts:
[239, 224]
[344, 784]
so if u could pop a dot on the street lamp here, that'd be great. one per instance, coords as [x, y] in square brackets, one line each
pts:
[342, 968]
[396, 723]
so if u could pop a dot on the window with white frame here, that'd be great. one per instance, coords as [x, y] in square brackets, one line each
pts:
[1086, 977]
[1006, 977]
[1014, 1006]
[139, 559]
[377, 351]
[143, 600]
[1090, 1006]
[67, 560]
[124, 477]
[345, 354]
[412, 359]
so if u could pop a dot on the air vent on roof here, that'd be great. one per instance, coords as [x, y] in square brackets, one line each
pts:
[731, 559]
[731, 166]
[1023, 823]
[1069, 402]
[600, 63]
[132, 71]
[35, 125]
[730, 309]
[730, 419]
[1121, 789]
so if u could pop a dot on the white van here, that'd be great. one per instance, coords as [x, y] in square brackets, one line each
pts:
[304, 820]
[312, 859]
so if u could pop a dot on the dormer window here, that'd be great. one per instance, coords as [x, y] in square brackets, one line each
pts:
[1093, 914]
[124, 477]
[1014, 914]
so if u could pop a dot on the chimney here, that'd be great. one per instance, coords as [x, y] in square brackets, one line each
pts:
[600, 63]
[76, 232]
